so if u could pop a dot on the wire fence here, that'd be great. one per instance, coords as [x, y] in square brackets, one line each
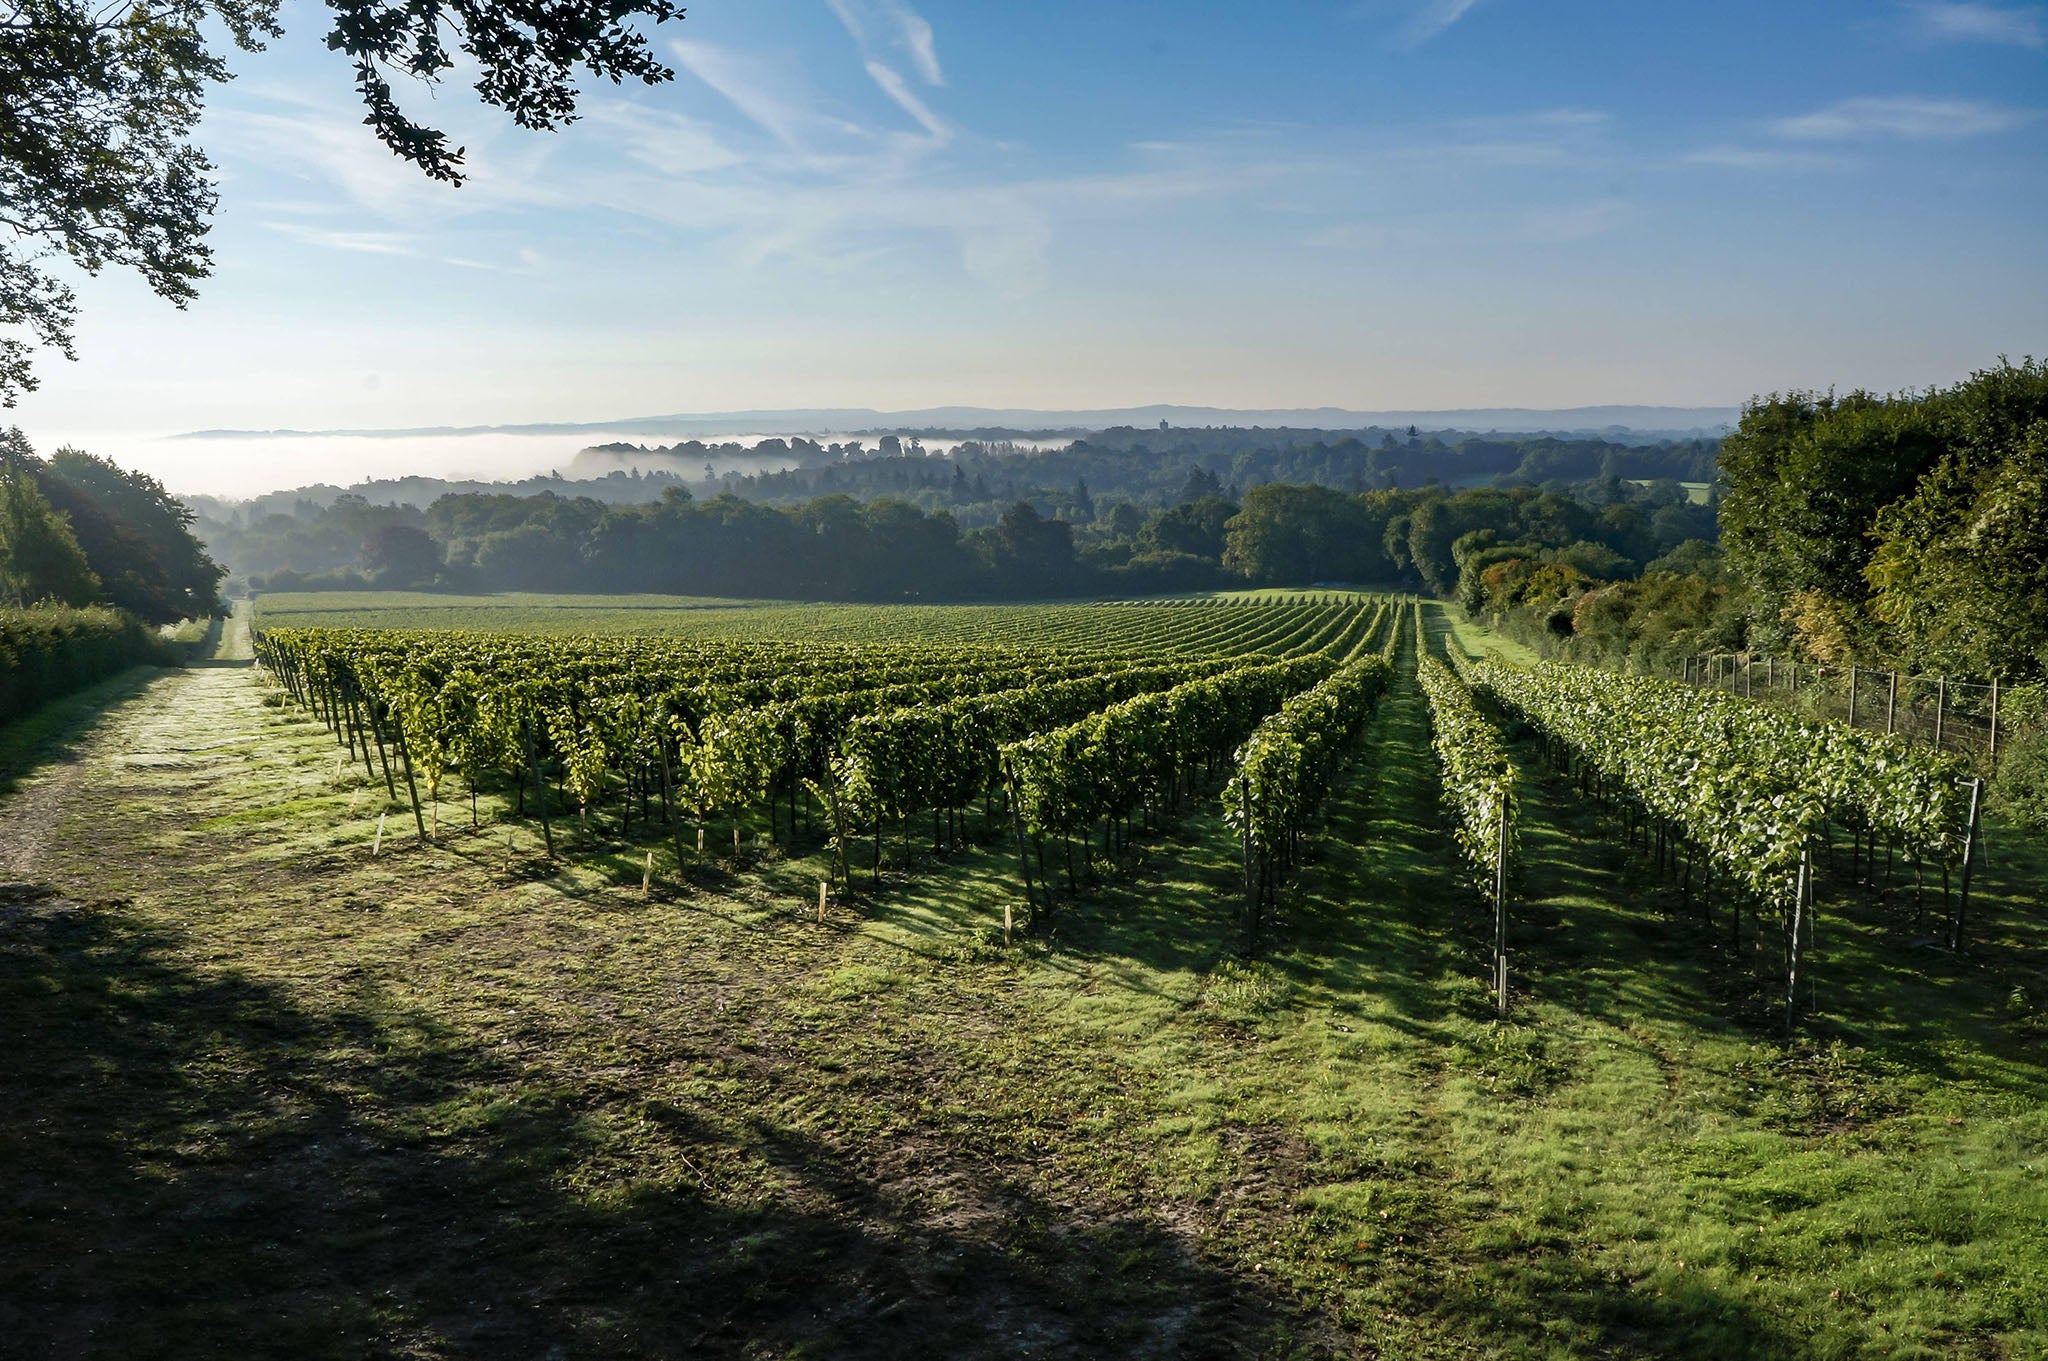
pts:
[1963, 717]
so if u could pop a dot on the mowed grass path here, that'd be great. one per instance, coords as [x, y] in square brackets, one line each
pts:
[264, 1095]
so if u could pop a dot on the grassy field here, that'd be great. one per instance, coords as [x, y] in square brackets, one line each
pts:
[265, 1094]
[702, 617]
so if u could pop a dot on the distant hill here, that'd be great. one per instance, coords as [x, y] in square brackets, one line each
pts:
[1652, 422]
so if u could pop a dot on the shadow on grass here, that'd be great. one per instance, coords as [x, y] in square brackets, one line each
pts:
[204, 1165]
[54, 733]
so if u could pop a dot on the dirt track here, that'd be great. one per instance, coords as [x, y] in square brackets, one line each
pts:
[169, 720]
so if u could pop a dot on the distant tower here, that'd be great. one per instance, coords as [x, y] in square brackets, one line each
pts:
[1162, 424]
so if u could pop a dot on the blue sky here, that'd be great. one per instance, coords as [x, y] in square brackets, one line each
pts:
[1366, 203]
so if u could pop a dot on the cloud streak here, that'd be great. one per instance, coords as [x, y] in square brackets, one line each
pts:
[918, 38]
[1433, 18]
[1765, 159]
[1909, 117]
[898, 90]
[1970, 22]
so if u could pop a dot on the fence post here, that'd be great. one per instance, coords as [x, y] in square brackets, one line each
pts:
[1805, 886]
[1969, 848]
[1994, 722]
[1891, 705]
[1940, 706]
[1852, 694]
[1500, 901]
[1748, 669]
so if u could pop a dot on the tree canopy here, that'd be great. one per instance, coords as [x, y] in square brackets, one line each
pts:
[80, 530]
[98, 103]
[1911, 528]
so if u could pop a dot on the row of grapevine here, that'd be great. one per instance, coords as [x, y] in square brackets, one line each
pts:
[1145, 754]
[1285, 771]
[1478, 790]
[715, 742]
[1752, 789]
[1478, 780]
[1750, 786]
[1288, 766]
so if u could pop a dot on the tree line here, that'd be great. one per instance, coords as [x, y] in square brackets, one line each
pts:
[76, 530]
[835, 547]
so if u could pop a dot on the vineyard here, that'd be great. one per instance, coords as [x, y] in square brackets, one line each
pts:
[1269, 976]
[1083, 718]
[1059, 730]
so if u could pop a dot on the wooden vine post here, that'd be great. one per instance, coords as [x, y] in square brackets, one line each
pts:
[1252, 886]
[668, 800]
[1955, 941]
[1023, 850]
[1802, 889]
[1500, 904]
[540, 789]
[411, 788]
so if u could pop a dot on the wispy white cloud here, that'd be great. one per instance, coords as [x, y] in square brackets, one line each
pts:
[1433, 18]
[401, 244]
[1579, 222]
[361, 242]
[1903, 116]
[894, 86]
[918, 38]
[1538, 137]
[747, 84]
[1969, 22]
[322, 143]
[1766, 159]
[664, 141]
[903, 28]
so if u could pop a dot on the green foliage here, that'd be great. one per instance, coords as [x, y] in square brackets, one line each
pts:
[1906, 527]
[1286, 769]
[49, 651]
[2021, 786]
[1747, 784]
[1302, 534]
[1478, 778]
[40, 559]
[137, 537]
[879, 729]
[1196, 528]
[1960, 570]
[1147, 749]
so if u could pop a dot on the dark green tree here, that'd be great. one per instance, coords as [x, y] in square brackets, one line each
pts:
[137, 537]
[1192, 527]
[1806, 477]
[1959, 569]
[39, 557]
[398, 556]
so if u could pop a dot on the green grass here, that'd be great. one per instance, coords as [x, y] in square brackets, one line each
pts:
[512, 611]
[266, 1095]
[51, 733]
[1452, 628]
[705, 617]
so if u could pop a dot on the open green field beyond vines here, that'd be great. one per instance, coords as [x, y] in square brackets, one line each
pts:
[693, 616]
[284, 1076]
